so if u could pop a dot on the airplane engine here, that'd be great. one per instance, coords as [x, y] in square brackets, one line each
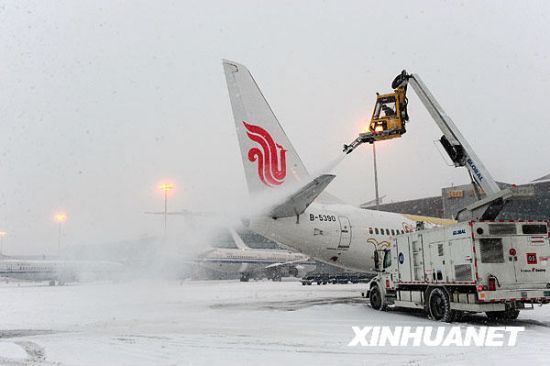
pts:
[298, 271]
[293, 271]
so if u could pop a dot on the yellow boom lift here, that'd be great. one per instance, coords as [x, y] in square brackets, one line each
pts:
[388, 117]
[388, 122]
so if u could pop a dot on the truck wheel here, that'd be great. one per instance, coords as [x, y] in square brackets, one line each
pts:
[511, 314]
[376, 300]
[439, 305]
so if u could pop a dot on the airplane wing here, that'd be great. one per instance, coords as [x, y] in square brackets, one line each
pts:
[432, 220]
[298, 202]
[283, 264]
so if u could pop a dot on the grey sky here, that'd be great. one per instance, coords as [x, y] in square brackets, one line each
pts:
[103, 99]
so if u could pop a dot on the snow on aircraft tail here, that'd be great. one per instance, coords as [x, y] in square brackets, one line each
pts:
[269, 158]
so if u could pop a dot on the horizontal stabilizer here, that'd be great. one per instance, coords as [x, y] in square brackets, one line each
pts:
[297, 203]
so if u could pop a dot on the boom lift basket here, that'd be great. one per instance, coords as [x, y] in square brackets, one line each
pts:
[389, 115]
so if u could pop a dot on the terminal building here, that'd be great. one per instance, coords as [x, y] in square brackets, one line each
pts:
[453, 199]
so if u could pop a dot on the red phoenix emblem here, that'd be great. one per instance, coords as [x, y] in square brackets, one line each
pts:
[271, 157]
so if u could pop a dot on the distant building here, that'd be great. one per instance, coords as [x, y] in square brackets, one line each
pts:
[429, 206]
[453, 199]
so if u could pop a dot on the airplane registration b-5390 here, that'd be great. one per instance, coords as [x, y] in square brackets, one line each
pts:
[300, 214]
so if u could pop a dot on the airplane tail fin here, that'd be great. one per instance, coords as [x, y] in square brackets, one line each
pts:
[270, 161]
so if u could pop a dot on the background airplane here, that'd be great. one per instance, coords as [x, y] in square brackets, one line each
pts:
[255, 263]
[57, 271]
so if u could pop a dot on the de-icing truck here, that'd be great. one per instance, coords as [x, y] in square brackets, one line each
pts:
[496, 267]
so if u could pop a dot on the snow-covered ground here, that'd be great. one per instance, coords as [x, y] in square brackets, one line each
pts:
[224, 323]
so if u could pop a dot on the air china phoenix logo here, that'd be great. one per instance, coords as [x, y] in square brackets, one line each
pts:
[271, 157]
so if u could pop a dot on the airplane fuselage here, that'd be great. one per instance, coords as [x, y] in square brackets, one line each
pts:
[337, 234]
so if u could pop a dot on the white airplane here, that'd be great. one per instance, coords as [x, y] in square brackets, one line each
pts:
[294, 209]
[255, 263]
[57, 271]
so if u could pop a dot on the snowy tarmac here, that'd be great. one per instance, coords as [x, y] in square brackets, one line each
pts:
[224, 323]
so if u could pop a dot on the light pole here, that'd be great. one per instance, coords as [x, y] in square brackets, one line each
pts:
[60, 218]
[166, 187]
[2, 234]
[375, 177]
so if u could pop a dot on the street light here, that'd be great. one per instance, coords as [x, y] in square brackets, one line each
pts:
[60, 218]
[166, 187]
[2, 234]
[375, 178]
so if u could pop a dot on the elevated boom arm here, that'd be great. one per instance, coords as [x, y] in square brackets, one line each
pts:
[456, 146]
[454, 143]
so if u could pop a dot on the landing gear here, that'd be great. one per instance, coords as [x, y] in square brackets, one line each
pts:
[244, 277]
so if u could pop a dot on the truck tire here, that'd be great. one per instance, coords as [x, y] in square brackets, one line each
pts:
[376, 299]
[439, 305]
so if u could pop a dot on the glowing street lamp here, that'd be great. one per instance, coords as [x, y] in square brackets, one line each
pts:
[166, 187]
[2, 234]
[60, 218]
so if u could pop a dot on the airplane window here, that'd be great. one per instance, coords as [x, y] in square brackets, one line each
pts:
[376, 230]
[370, 230]
[387, 231]
[402, 232]
[392, 232]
